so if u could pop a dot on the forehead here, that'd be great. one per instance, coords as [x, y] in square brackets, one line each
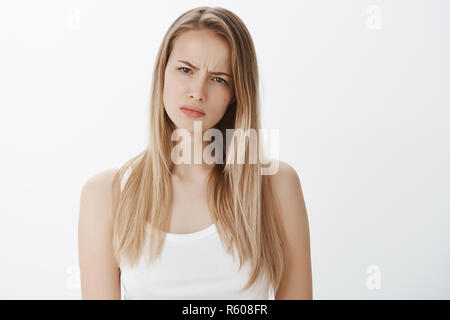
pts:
[202, 47]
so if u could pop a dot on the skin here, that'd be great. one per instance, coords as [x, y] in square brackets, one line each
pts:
[184, 85]
[99, 271]
[195, 85]
[296, 283]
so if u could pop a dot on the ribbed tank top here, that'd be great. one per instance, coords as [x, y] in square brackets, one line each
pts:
[191, 266]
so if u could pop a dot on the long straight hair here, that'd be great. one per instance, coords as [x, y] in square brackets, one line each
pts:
[241, 200]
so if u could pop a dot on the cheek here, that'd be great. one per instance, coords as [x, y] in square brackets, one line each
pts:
[223, 108]
[176, 79]
[171, 86]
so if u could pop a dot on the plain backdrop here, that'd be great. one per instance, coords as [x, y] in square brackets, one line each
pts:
[359, 91]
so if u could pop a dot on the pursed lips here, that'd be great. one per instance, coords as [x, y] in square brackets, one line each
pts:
[187, 107]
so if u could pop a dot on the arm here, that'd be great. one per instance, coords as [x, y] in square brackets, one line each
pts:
[99, 272]
[296, 283]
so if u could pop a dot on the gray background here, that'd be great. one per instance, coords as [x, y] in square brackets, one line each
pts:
[359, 91]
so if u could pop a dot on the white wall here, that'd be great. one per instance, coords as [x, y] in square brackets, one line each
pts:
[358, 89]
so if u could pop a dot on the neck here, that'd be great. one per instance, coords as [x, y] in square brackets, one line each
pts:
[196, 167]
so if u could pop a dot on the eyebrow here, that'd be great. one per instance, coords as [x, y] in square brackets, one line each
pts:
[196, 68]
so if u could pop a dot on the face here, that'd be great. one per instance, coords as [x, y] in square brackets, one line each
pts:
[198, 74]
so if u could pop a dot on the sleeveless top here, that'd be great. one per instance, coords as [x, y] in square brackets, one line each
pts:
[191, 266]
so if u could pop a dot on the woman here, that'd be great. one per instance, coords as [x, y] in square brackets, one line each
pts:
[165, 229]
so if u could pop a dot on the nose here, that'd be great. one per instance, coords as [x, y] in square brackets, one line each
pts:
[198, 89]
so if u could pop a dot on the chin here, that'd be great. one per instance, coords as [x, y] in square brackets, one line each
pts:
[188, 123]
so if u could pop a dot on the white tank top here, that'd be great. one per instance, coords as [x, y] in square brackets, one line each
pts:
[191, 266]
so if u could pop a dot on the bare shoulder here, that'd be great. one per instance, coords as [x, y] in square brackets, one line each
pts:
[285, 178]
[96, 197]
[99, 271]
[100, 180]
[287, 188]
[297, 278]
[99, 184]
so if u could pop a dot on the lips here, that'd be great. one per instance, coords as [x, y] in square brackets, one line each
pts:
[192, 112]
[187, 107]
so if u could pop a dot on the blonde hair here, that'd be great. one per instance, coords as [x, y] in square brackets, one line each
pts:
[241, 200]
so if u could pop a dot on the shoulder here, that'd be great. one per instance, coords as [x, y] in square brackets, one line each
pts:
[95, 216]
[100, 182]
[285, 177]
[96, 193]
[99, 270]
[296, 282]
[288, 190]
[100, 178]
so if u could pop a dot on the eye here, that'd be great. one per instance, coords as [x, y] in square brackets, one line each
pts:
[221, 80]
[183, 68]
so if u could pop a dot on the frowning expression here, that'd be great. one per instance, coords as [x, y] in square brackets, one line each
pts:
[198, 75]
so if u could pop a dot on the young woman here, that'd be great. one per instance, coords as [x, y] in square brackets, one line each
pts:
[162, 229]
